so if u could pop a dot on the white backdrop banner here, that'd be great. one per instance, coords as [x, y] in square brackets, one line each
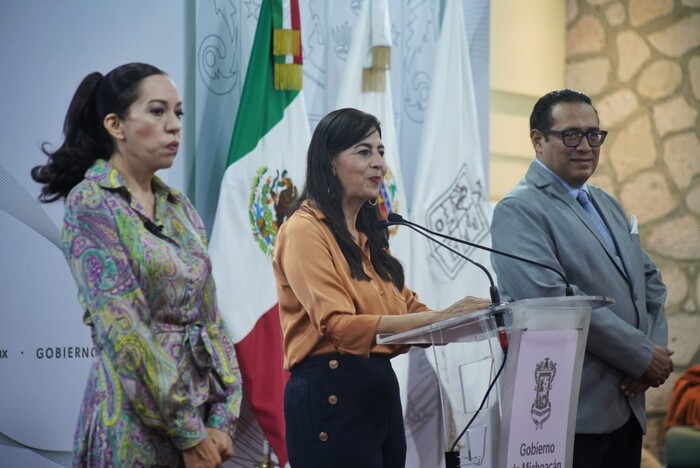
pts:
[46, 48]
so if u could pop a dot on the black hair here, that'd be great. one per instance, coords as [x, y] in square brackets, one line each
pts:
[541, 117]
[85, 138]
[336, 132]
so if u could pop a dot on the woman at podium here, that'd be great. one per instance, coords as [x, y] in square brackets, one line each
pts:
[338, 287]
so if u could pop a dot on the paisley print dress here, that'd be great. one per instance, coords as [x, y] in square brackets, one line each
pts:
[165, 370]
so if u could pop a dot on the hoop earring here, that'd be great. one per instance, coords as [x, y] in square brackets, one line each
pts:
[372, 204]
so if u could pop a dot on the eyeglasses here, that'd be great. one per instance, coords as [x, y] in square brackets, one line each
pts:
[573, 138]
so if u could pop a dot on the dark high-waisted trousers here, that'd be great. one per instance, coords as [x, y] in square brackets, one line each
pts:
[344, 411]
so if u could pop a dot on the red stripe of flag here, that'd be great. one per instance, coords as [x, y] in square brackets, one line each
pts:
[260, 358]
[296, 24]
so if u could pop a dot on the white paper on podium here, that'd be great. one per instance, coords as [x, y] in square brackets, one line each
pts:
[541, 404]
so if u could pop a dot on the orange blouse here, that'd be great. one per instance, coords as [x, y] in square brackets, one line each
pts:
[323, 309]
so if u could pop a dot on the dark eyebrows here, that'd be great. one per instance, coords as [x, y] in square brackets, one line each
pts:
[368, 146]
[590, 129]
[164, 102]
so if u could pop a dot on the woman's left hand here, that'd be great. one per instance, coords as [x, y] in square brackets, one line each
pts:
[223, 443]
[206, 454]
[402, 323]
[466, 305]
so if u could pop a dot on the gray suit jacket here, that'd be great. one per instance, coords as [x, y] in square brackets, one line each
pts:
[540, 220]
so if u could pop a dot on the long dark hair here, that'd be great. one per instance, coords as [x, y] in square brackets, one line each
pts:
[336, 132]
[85, 138]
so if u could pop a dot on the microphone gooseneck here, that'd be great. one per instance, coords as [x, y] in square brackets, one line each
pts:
[493, 290]
[395, 218]
[495, 297]
[497, 307]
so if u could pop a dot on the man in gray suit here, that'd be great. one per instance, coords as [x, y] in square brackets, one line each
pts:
[553, 216]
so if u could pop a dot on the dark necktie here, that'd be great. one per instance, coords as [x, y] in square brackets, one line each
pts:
[585, 200]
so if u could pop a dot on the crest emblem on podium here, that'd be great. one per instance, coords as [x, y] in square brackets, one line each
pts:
[542, 408]
[458, 212]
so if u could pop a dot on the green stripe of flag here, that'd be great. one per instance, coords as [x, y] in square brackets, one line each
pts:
[261, 107]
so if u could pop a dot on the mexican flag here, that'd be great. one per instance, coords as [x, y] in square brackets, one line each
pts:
[265, 171]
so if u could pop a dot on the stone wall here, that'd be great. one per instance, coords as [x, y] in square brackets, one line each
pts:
[640, 62]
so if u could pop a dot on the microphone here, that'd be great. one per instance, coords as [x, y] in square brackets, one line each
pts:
[152, 227]
[156, 230]
[394, 219]
[493, 290]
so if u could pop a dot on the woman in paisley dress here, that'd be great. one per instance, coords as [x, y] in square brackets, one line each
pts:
[164, 388]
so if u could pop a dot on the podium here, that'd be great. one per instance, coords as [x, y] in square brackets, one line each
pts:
[539, 392]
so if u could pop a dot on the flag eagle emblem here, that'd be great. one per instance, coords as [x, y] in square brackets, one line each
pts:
[270, 199]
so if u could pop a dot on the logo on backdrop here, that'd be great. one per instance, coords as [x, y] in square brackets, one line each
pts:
[458, 212]
[217, 61]
[270, 198]
[542, 408]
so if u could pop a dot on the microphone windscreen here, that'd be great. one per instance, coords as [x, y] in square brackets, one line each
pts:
[380, 224]
[395, 218]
